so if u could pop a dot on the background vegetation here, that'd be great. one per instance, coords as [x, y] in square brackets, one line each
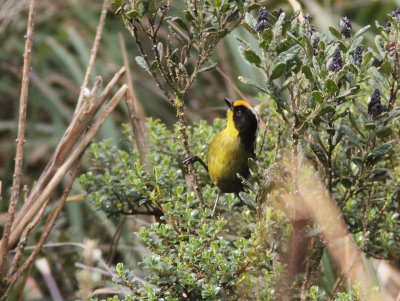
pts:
[64, 33]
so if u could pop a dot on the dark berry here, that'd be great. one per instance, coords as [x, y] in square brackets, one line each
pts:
[337, 62]
[346, 27]
[375, 107]
[262, 20]
[357, 58]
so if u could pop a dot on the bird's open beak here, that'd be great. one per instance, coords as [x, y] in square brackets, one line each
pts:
[229, 102]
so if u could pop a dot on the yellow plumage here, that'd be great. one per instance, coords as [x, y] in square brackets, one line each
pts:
[226, 158]
[231, 148]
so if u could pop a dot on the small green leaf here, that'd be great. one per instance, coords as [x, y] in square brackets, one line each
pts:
[277, 29]
[251, 57]
[378, 152]
[354, 123]
[223, 32]
[320, 152]
[160, 49]
[331, 87]
[252, 165]
[338, 135]
[386, 68]
[250, 20]
[266, 39]
[151, 7]
[307, 72]
[153, 65]
[335, 33]
[142, 62]
[367, 57]
[370, 126]
[216, 3]
[289, 54]
[317, 96]
[379, 174]
[117, 4]
[351, 136]
[349, 92]
[362, 31]
[180, 22]
[225, 8]
[361, 108]
[325, 109]
[384, 132]
[208, 68]
[277, 70]
[254, 6]
[240, 5]
[252, 83]
[276, 94]
[248, 200]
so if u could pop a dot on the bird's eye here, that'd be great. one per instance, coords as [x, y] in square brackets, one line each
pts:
[239, 112]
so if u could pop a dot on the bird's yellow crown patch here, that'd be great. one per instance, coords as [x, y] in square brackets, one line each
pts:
[241, 103]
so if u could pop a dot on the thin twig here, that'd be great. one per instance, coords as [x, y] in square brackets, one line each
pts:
[21, 135]
[219, 70]
[93, 52]
[135, 121]
[47, 229]
[23, 240]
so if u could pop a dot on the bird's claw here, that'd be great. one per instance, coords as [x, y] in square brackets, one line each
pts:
[190, 159]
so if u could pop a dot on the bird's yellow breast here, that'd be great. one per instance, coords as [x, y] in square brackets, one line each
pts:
[226, 158]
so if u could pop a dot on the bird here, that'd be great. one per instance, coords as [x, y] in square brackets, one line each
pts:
[231, 148]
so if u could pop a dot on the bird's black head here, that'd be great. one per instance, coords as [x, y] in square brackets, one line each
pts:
[246, 122]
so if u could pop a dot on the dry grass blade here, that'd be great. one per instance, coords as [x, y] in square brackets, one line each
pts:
[21, 136]
[75, 130]
[46, 231]
[93, 52]
[23, 240]
[315, 202]
[61, 170]
[135, 121]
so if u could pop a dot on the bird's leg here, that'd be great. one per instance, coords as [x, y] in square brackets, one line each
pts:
[215, 203]
[192, 159]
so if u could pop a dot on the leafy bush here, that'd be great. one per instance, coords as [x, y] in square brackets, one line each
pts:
[325, 95]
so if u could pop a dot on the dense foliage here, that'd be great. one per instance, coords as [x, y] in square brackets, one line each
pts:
[328, 96]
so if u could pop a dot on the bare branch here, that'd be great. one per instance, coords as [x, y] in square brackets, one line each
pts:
[135, 121]
[47, 229]
[46, 191]
[93, 52]
[21, 136]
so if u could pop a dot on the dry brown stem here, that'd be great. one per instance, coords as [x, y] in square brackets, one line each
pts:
[135, 121]
[47, 229]
[21, 136]
[23, 239]
[93, 52]
[27, 213]
[323, 211]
